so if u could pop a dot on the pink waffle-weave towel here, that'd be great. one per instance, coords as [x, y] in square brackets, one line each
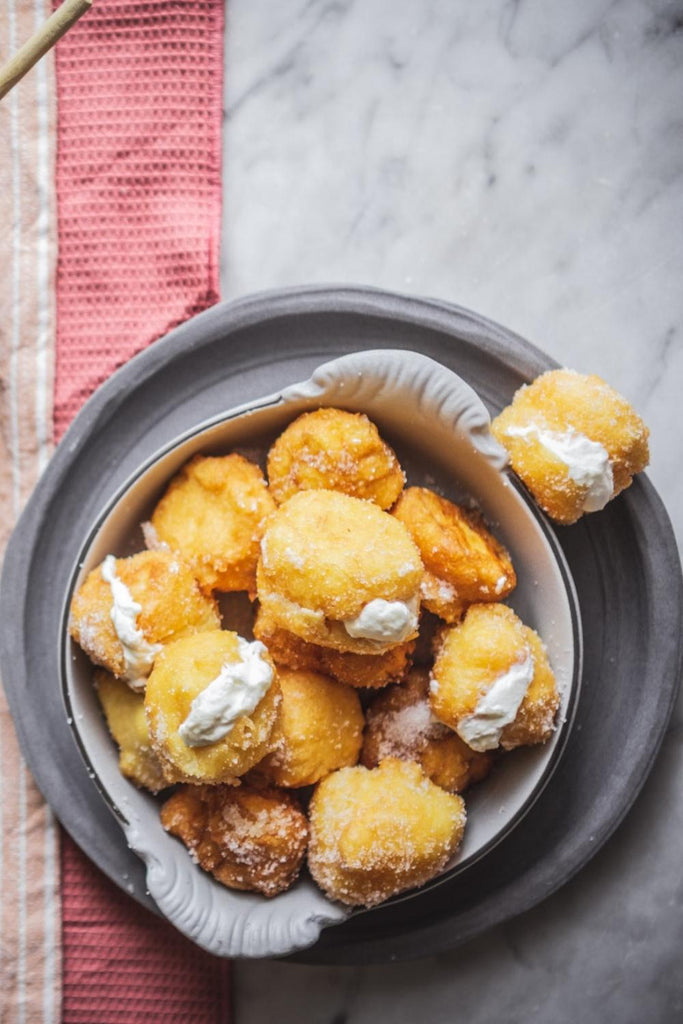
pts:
[125, 965]
[138, 174]
[139, 93]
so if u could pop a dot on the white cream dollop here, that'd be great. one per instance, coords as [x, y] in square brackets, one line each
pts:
[497, 707]
[391, 621]
[587, 461]
[138, 654]
[235, 692]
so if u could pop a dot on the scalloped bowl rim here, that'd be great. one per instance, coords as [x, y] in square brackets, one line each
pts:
[271, 936]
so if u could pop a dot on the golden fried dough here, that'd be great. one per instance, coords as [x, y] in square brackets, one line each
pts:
[370, 671]
[339, 572]
[535, 720]
[319, 728]
[464, 563]
[248, 839]
[286, 648]
[574, 441]
[124, 711]
[182, 672]
[358, 670]
[158, 600]
[212, 513]
[376, 833]
[331, 449]
[400, 724]
[492, 682]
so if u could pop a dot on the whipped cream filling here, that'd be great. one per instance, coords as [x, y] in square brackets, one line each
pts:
[497, 707]
[138, 654]
[236, 691]
[392, 621]
[587, 461]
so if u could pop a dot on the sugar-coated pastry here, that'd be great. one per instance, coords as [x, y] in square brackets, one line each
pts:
[492, 682]
[319, 728]
[574, 441]
[375, 833]
[211, 704]
[213, 513]
[334, 450]
[370, 671]
[464, 562]
[339, 572]
[400, 724]
[248, 839]
[124, 711]
[535, 720]
[128, 608]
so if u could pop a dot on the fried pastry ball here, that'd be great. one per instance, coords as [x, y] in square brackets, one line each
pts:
[319, 728]
[127, 608]
[124, 711]
[334, 450]
[464, 563]
[248, 839]
[376, 833]
[212, 514]
[370, 671]
[358, 670]
[339, 572]
[574, 441]
[208, 752]
[492, 682]
[400, 724]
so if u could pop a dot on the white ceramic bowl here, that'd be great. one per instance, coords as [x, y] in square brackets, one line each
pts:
[440, 431]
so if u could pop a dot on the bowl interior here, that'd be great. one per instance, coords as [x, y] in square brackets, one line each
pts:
[424, 442]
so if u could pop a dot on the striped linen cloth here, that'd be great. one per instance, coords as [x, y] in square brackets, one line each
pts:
[30, 947]
[128, 243]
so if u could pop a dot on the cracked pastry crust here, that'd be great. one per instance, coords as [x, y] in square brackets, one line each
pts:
[248, 839]
[331, 449]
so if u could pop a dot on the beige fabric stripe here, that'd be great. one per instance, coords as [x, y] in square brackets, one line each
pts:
[44, 892]
[30, 970]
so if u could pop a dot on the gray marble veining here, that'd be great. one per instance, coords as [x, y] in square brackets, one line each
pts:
[525, 159]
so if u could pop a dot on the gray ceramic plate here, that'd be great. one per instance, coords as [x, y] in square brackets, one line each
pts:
[623, 561]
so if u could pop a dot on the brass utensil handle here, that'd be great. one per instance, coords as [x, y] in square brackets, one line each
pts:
[42, 41]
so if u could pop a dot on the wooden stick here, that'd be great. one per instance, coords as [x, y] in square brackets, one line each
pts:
[42, 41]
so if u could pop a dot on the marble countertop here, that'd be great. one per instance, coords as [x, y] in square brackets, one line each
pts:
[523, 159]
